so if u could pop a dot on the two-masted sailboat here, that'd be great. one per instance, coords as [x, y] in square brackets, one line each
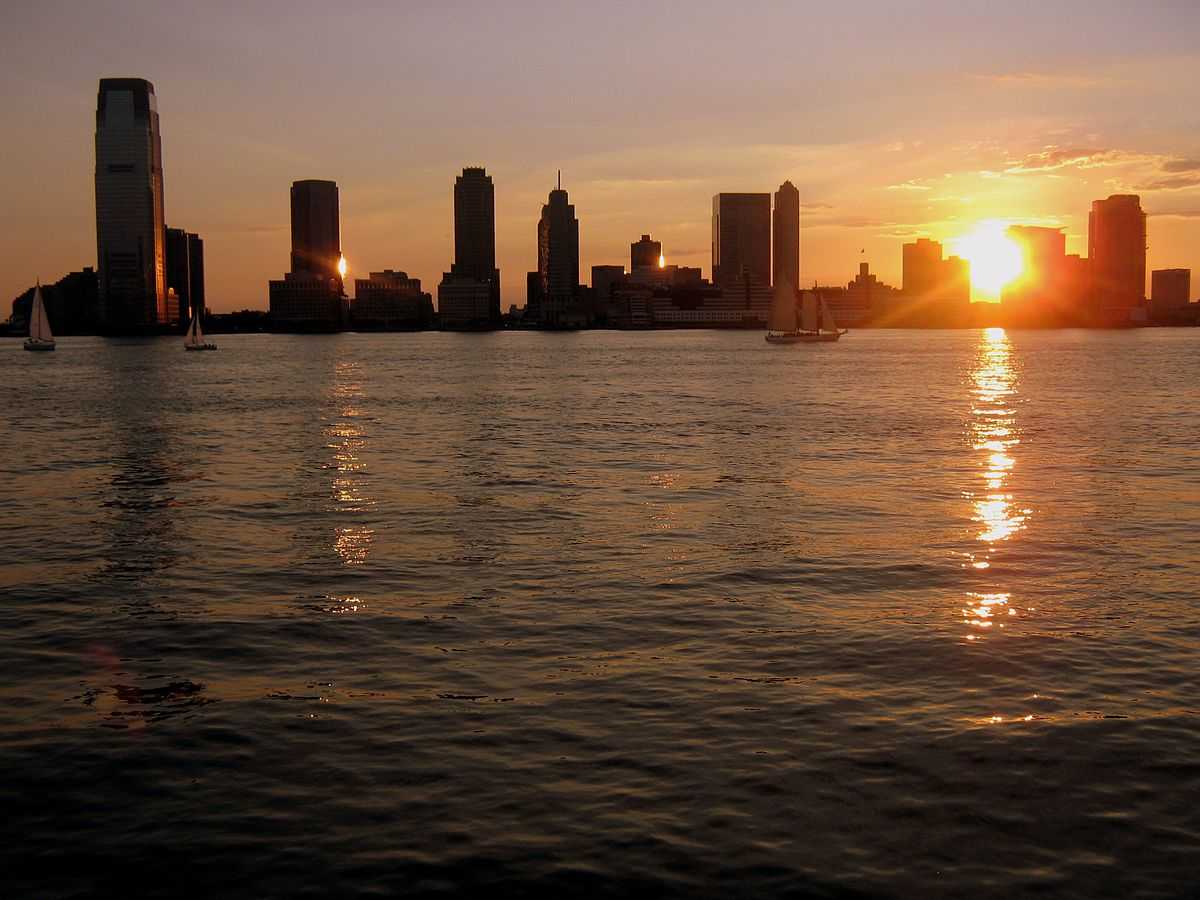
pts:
[808, 322]
[40, 337]
[195, 339]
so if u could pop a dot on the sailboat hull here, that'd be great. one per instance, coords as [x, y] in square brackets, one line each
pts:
[199, 346]
[804, 337]
[39, 346]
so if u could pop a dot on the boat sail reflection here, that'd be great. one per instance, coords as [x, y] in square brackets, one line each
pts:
[995, 437]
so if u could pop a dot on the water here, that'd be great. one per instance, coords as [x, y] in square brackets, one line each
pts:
[602, 614]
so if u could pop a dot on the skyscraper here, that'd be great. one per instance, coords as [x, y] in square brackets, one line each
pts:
[558, 258]
[316, 229]
[185, 272]
[786, 235]
[130, 231]
[645, 254]
[475, 233]
[1117, 251]
[741, 241]
[310, 297]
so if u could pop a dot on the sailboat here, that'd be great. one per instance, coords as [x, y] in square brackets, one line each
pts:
[40, 337]
[195, 339]
[812, 323]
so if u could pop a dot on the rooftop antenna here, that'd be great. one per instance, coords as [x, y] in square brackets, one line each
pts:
[560, 179]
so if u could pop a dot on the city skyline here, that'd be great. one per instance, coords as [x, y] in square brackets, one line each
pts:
[1026, 125]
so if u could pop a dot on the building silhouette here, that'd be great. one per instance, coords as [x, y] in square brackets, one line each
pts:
[475, 233]
[645, 254]
[1053, 286]
[72, 305]
[130, 229]
[469, 294]
[558, 261]
[786, 236]
[310, 297]
[741, 239]
[185, 273]
[316, 229]
[937, 290]
[1117, 252]
[390, 301]
[1170, 289]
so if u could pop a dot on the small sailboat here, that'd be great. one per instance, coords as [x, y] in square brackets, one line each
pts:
[40, 337]
[812, 323]
[195, 339]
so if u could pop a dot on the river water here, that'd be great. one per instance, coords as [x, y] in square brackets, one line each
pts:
[602, 614]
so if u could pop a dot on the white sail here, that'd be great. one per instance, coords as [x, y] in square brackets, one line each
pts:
[39, 324]
[783, 309]
[827, 322]
[195, 332]
[808, 312]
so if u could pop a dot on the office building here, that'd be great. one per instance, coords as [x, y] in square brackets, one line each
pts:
[475, 234]
[741, 239]
[310, 297]
[937, 290]
[390, 301]
[316, 229]
[1170, 289]
[558, 261]
[465, 304]
[185, 273]
[1053, 285]
[786, 236]
[1117, 251]
[130, 229]
[605, 278]
[645, 254]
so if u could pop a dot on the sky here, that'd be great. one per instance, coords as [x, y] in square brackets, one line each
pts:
[895, 120]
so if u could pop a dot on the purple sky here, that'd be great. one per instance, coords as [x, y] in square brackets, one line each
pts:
[894, 119]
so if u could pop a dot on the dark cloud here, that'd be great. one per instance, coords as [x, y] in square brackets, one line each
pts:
[1181, 165]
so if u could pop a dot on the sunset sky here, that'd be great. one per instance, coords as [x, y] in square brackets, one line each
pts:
[894, 119]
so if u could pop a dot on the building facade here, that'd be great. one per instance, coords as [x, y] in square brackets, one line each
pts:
[310, 297]
[130, 229]
[1170, 289]
[558, 260]
[316, 229]
[465, 303]
[1117, 252]
[390, 301]
[936, 289]
[741, 238]
[645, 254]
[475, 233]
[786, 236]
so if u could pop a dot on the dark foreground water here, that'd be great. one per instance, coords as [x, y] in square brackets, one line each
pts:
[605, 614]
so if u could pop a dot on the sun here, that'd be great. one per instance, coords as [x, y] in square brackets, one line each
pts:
[342, 267]
[995, 258]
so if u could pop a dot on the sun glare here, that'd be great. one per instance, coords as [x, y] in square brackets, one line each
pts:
[342, 267]
[994, 257]
[662, 261]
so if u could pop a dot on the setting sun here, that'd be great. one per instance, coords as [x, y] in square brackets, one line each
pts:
[994, 257]
[342, 267]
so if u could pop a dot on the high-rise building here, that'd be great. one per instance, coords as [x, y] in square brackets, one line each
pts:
[310, 297]
[475, 233]
[558, 259]
[1170, 288]
[741, 238]
[645, 254]
[1051, 288]
[786, 235]
[1117, 251]
[316, 229]
[130, 230]
[185, 272]
[937, 290]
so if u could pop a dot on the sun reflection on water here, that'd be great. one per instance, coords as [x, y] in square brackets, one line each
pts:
[352, 542]
[994, 436]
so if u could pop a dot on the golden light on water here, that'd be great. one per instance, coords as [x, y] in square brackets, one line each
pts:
[995, 258]
[995, 438]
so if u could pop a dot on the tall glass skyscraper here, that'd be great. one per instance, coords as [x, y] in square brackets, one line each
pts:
[130, 231]
[1117, 251]
[316, 229]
